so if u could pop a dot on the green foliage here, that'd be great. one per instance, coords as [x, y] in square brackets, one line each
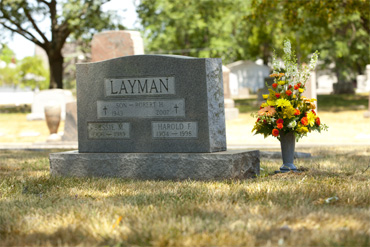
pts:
[33, 73]
[8, 70]
[6, 54]
[30, 71]
[74, 19]
[249, 29]
[9, 75]
[191, 28]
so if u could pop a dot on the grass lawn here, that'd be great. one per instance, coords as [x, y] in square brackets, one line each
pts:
[14, 127]
[327, 205]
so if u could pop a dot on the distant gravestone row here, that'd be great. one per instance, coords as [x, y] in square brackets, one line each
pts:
[153, 117]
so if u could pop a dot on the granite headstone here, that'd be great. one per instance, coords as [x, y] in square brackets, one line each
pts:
[153, 117]
[151, 103]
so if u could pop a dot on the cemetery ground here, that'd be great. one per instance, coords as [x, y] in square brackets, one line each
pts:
[328, 204]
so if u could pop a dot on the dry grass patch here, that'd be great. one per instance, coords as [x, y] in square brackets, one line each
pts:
[15, 128]
[284, 209]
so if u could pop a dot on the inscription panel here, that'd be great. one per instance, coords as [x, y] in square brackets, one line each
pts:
[108, 130]
[160, 108]
[171, 129]
[139, 86]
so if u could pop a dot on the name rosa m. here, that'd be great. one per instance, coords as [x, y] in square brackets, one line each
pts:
[115, 87]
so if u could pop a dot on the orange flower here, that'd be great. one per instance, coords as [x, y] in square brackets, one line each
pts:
[288, 92]
[267, 111]
[304, 121]
[296, 87]
[318, 121]
[280, 126]
[274, 85]
[297, 112]
[277, 95]
[275, 132]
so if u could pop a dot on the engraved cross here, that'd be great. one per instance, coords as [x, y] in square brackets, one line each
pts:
[176, 108]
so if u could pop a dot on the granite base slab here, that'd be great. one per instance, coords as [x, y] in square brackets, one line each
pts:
[231, 164]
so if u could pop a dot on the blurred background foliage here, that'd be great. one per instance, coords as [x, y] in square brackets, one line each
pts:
[252, 29]
[28, 72]
[231, 29]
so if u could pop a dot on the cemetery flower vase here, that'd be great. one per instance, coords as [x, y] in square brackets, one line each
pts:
[53, 117]
[286, 113]
[287, 144]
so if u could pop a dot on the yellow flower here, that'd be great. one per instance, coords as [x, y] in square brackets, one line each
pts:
[288, 112]
[311, 118]
[294, 96]
[281, 83]
[271, 102]
[302, 129]
[313, 100]
[264, 104]
[283, 103]
[301, 90]
[265, 96]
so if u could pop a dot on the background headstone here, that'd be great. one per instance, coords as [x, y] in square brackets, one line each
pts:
[325, 80]
[113, 44]
[70, 125]
[310, 91]
[49, 97]
[231, 112]
[246, 75]
[269, 81]
[367, 114]
[363, 81]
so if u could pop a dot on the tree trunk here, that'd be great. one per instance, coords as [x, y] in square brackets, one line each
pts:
[56, 70]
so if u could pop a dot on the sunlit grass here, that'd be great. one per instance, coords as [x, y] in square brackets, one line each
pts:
[14, 127]
[270, 210]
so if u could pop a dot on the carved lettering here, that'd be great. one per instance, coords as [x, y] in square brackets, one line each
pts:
[139, 86]
[154, 86]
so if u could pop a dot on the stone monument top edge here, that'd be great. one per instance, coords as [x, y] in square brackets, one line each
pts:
[148, 56]
[117, 31]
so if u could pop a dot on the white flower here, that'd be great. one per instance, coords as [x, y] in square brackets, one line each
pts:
[292, 124]
[287, 47]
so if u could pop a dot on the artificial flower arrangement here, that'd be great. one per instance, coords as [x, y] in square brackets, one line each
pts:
[285, 109]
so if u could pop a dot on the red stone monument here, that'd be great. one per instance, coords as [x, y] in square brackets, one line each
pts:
[112, 44]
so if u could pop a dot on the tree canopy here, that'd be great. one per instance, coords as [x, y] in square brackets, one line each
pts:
[49, 23]
[30, 71]
[252, 29]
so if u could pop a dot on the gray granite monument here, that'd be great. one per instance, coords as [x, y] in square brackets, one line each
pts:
[153, 117]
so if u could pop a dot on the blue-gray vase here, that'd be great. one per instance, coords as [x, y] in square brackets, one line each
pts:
[287, 144]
